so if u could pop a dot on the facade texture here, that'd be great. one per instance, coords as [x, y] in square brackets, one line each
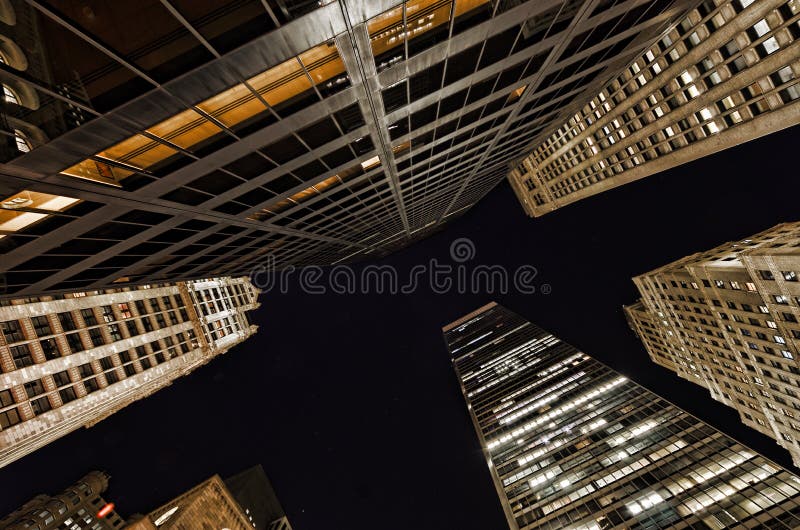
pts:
[172, 140]
[727, 73]
[572, 444]
[727, 319]
[71, 360]
[213, 505]
[79, 507]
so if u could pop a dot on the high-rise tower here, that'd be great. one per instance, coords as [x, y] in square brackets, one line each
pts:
[572, 444]
[729, 72]
[164, 140]
[73, 359]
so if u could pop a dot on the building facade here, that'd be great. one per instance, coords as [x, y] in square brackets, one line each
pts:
[729, 72]
[209, 505]
[217, 137]
[727, 319]
[243, 502]
[79, 507]
[71, 360]
[572, 444]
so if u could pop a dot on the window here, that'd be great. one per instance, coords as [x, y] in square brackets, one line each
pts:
[781, 299]
[50, 349]
[108, 313]
[41, 326]
[41, 405]
[22, 142]
[9, 95]
[789, 276]
[88, 317]
[124, 310]
[131, 325]
[6, 398]
[61, 378]
[67, 394]
[12, 331]
[113, 330]
[21, 355]
[75, 343]
[67, 323]
[141, 353]
[766, 275]
[9, 418]
[96, 336]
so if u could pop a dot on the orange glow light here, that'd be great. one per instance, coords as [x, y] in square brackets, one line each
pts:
[105, 510]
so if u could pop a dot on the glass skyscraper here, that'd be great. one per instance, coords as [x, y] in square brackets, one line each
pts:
[572, 444]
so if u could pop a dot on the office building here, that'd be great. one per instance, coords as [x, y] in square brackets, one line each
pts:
[165, 140]
[71, 360]
[727, 73]
[572, 444]
[727, 319]
[79, 507]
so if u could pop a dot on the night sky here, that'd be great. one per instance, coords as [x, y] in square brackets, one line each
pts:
[350, 403]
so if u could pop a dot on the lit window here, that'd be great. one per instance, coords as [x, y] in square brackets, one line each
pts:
[770, 45]
[9, 95]
[761, 28]
[12, 219]
[23, 144]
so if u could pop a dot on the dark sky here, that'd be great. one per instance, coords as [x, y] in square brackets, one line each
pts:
[349, 402]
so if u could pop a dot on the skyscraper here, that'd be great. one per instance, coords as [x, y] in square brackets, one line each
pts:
[729, 72]
[79, 507]
[727, 319]
[71, 360]
[169, 140]
[572, 444]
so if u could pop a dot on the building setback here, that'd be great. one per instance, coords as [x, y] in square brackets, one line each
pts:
[727, 319]
[71, 360]
[729, 72]
[572, 444]
[169, 140]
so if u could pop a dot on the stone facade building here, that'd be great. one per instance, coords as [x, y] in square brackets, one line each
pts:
[727, 73]
[729, 320]
[71, 360]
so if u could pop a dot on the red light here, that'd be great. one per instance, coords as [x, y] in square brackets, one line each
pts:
[105, 510]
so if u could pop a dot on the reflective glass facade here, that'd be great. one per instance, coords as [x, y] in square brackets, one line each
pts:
[172, 140]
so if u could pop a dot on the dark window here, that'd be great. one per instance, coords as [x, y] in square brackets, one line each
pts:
[21, 355]
[61, 378]
[9, 418]
[75, 343]
[12, 331]
[96, 336]
[50, 349]
[67, 323]
[67, 394]
[40, 405]
[6, 398]
[42, 326]
[88, 317]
